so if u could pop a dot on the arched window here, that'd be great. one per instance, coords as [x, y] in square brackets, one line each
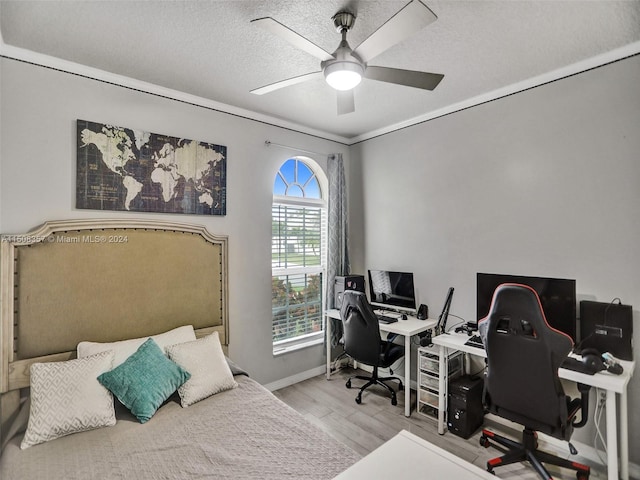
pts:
[298, 254]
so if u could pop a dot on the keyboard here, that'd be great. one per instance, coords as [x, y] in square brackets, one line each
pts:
[386, 318]
[475, 341]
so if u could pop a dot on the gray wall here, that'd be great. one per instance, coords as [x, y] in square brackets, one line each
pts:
[38, 157]
[545, 182]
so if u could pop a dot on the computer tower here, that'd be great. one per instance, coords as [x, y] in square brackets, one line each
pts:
[349, 282]
[607, 327]
[465, 412]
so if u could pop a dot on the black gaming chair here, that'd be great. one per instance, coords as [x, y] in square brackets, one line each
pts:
[362, 342]
[522, 384]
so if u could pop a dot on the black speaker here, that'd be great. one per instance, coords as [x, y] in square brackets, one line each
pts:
[465, 412]
[607, 327]
[349, 282]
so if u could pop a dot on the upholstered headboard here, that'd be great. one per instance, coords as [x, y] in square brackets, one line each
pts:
[102, 281]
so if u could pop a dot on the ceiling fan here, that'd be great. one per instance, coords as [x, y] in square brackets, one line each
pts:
[344, 68]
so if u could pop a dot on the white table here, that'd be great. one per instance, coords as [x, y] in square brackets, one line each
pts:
[409, 457]
[610, 383]
[406, 328]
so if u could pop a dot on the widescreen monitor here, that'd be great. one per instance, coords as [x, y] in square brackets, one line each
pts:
[557, 297]
[392, 290]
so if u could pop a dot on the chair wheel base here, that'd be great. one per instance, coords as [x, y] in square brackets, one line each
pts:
[375, 380]
[527, 451]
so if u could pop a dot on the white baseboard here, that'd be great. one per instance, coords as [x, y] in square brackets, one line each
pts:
[314, 372]
[298, 377]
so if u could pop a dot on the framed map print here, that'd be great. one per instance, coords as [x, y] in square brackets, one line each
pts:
[120, 168]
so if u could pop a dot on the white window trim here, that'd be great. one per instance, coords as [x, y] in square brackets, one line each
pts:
[316, 338]
[304, 341]
[299, 201]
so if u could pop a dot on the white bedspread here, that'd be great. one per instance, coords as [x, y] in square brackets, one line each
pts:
[244, 433]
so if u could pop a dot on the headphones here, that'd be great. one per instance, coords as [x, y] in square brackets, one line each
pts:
[592, 359]
[596, 361]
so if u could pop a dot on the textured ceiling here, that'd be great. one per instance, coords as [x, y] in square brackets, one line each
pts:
[210, 49]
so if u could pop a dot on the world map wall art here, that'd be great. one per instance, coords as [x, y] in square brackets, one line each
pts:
[124, 169]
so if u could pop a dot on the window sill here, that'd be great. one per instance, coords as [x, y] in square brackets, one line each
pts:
[282, 349]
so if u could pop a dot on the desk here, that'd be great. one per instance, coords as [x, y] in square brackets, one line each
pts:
[406, 328]
[610, 383]
[409, 457]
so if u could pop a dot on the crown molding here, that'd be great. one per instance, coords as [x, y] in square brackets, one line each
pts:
[39, 59]
[621, 53]
[55, 63]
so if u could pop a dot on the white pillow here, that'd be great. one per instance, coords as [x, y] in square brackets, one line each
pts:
[125, 348]
[66, 398]
[204, 360]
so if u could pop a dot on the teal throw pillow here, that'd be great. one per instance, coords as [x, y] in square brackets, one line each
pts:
[145, 380]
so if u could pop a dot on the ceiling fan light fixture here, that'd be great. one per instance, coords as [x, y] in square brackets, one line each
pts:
[343, 75]
[343, 69]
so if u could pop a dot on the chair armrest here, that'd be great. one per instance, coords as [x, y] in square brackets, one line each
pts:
[581, 404]
[391, 337]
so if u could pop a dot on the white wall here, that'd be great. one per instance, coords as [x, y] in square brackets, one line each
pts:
[545, 182]
[38, 161]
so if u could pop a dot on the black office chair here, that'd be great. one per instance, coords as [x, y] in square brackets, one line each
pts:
[522, 384]
[362, 342]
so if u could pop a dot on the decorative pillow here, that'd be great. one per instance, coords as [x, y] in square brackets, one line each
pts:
[66, 398]
[123, 349]
[145, 380]
[210, 372]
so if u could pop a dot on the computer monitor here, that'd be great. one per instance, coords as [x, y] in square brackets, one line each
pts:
[392, 290]
[557, 297]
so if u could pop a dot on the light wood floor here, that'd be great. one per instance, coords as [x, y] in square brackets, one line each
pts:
[331, 406]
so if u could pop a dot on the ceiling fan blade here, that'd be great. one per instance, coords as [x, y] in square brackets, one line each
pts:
[286, 83]
[292, 37]
[412, 17]
[346, 101]
[409, 78]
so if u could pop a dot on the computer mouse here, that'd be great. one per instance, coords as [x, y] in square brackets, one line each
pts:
[404, 316]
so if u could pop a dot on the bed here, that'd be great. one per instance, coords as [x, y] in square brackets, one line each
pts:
[73, 295]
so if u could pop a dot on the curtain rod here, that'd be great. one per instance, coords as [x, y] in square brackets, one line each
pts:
[269, 143]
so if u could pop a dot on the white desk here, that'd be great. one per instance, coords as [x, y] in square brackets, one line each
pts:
[610, 383]
[409, 457]
[406, 328]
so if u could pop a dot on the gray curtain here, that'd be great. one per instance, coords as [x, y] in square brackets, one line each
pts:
[337, 251]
